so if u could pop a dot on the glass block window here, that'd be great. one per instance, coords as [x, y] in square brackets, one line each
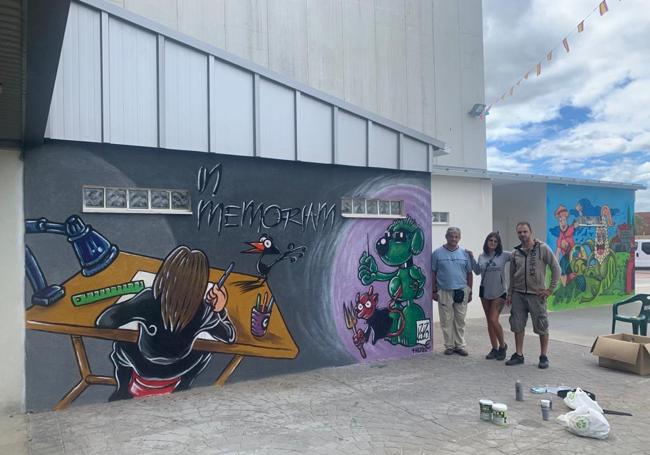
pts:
[181, 200]
[136, 200]
[93, 197]
[371, 208]
[439, 217]
[160, 199]
[116, 198]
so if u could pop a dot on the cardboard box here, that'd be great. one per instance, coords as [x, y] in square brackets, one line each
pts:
[622, 351]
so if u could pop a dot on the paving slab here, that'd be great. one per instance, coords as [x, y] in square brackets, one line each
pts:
[427, 404]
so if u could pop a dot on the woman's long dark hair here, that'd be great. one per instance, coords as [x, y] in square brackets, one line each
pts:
[180, 285]
[499, 248]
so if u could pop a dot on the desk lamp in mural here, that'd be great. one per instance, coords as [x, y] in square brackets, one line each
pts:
[93, 251]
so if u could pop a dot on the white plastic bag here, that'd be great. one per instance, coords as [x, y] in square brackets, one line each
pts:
[585, 421]
[579, 398]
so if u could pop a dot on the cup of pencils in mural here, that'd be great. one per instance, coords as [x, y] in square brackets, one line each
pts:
[260, 314]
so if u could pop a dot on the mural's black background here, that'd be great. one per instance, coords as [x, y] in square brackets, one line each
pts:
[54, 175]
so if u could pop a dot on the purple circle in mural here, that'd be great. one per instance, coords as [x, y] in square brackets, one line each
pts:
[355, 237]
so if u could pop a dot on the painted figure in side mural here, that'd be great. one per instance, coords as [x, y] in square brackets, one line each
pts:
[170, 316]
[565, 242]
[402, 241]
[382, 323]
[590, 261]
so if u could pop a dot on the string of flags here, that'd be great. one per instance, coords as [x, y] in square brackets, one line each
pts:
[602, 8]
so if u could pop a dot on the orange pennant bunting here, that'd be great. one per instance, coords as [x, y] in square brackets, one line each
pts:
[602, 8]
[565, 42]
[512, 89]
[549, 56]
[539, 69]
[581, 27]
[519, 81]
[526, 75]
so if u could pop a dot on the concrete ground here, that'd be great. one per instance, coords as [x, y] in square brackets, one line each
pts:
[427, 404]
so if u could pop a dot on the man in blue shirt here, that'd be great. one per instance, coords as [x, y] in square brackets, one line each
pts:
[452, 289]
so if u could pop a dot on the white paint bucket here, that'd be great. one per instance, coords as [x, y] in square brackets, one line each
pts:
[499, 413]
[486, 409]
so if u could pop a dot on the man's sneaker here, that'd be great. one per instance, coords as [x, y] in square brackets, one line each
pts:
[543, 362]
[449, 351]
[516, 359]
[492, 354]
[501, 353]
[461, 351]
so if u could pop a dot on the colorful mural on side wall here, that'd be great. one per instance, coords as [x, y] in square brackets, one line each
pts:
[591, 232]
[237, 268]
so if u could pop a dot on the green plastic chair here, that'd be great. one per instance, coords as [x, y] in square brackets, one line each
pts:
[640, 322]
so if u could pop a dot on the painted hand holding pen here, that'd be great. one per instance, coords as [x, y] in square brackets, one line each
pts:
[260, 314]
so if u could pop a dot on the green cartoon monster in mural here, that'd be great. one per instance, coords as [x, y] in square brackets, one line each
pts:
[595, 266]
[399, 245]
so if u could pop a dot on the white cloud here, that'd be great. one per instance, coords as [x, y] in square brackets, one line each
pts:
[499, 161]
[607, 72]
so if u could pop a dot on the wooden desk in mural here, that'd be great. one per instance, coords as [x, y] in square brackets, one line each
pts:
[79, 321]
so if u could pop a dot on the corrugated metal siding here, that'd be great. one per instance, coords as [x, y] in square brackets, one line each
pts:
[232, 126]
[123, 79]
[384, 151]
[186, 98]
[11, 69]
[76, 108]
[314, 131]
[132, 90]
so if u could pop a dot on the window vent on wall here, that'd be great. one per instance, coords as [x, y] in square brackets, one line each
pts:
[371, 208]
[101, 199]
[439, 217]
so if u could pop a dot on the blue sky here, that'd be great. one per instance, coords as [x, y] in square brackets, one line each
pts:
[588, 115]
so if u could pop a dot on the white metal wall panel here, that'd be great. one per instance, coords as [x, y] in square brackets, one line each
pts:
[75, 110]
[314, 131]
[132, 75]
[383, 148]
[186, 98]
[352, 141]
[277, 123]
[232, 124]
[415, 155]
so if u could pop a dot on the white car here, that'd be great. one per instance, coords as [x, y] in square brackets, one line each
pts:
[642, 258]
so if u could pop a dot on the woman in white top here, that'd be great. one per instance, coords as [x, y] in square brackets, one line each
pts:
[491, 266]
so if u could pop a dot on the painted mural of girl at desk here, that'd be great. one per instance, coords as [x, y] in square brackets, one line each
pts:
[170, 316]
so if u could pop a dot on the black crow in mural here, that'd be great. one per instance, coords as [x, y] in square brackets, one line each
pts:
[265, 247]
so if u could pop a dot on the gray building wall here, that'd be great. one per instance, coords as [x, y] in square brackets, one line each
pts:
[416, 62]
[12, 322]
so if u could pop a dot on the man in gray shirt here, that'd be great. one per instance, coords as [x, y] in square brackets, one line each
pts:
[527, 291]
[452, 289]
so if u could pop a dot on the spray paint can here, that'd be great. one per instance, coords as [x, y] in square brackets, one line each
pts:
[519, 391]
[545, 405]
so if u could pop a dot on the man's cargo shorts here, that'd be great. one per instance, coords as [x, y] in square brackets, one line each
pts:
[522, 304]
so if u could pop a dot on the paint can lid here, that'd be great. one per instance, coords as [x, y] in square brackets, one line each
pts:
[486, 402]
[499, 407]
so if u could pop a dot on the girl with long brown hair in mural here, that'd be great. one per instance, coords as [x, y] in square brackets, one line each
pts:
[170, 316]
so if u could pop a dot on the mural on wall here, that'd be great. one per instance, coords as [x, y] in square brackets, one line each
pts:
[591, 234]
[385, 308]
[160, 302]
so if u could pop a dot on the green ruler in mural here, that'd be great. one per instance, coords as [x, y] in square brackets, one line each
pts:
[132, 287]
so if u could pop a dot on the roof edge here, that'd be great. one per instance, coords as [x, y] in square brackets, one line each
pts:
[155, 27]
[524, 177]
